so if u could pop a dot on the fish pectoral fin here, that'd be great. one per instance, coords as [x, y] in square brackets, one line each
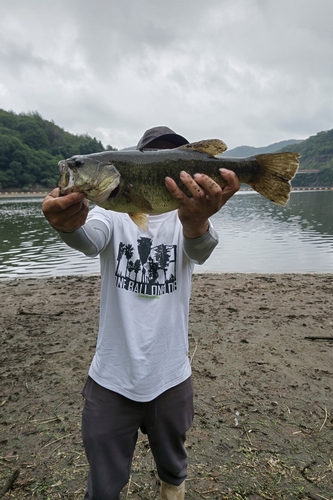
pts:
[141, 220]
[138, 200]
[211, 147]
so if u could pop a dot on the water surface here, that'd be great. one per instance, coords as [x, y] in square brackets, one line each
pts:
[255, 236]
[258, 236]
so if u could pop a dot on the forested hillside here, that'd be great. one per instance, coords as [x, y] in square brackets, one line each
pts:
[31, 147]
[316, 154]
[316, 162]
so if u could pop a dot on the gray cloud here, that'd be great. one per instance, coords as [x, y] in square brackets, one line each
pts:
[246, 71]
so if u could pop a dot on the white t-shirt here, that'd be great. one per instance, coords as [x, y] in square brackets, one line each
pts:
[142, 345]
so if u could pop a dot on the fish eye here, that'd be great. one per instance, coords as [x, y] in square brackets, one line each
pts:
[78, 163]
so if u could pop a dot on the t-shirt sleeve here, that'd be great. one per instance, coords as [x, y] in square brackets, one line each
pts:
[89, 239]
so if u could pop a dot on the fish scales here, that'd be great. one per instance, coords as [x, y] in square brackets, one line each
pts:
[145, 175]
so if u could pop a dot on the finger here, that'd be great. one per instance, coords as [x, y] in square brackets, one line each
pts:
[232, 185]
[211, 188]
[55, 193]
[56, 203]
[231, 179]
[174, 190]
[80, 215]
[70, 219]
[193, 187]
[70, 199]
[76, 208]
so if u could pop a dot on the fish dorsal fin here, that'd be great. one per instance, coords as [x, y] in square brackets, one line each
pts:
[211, 147]
[141, 220]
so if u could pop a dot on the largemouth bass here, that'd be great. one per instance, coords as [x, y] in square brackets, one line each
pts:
[133, 181]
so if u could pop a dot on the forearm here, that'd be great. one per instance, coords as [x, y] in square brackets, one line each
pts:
[89, 239]
[199, 249]
[191, 231]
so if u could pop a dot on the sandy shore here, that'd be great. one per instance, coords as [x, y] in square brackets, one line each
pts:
[262, 357]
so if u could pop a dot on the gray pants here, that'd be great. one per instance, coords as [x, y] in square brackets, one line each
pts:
[110, 424]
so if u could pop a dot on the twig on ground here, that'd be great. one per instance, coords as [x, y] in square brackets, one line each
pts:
[263, 495]
[326, 415]
[316, 497]
[202, 494]
[47, 421]
[56, 440]
[248, 436]
[9, 483]
[129, 485]
[319, 338]
[195, 350]
[28, 313]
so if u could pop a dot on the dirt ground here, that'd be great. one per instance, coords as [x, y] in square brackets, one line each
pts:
[261, 348]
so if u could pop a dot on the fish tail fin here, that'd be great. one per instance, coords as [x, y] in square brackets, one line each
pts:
[276, 172]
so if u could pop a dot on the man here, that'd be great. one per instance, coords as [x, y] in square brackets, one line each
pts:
[140, 376]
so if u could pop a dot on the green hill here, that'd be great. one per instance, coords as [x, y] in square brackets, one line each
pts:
[316, 162]
[316, 158]
[31, 147]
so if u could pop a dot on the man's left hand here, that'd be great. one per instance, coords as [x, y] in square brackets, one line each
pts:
[207, 199]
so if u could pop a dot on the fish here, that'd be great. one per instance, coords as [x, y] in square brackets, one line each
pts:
[132, 181]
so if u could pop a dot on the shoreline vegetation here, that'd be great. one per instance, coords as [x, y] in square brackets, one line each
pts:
[261, 350]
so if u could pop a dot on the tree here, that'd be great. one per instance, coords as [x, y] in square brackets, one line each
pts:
[33, 135]
[37, 145]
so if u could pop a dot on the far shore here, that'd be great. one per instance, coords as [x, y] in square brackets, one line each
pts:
[23, 194]
[32, 194]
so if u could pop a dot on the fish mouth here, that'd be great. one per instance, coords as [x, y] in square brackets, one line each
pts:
[66, 182]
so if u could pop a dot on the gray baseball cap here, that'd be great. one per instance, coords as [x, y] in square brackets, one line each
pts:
[161, 133]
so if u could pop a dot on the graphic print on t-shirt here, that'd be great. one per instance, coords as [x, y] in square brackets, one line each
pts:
[147, 270]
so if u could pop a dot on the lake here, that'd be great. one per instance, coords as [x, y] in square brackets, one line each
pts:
[256, 236]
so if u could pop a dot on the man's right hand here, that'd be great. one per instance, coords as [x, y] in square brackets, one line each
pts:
[65, 213]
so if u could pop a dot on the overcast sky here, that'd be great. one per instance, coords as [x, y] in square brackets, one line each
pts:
[249, 72]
